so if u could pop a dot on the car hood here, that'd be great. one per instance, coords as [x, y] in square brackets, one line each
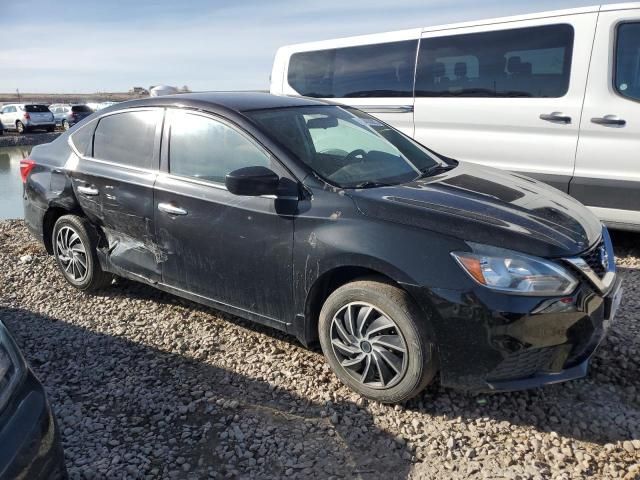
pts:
[490, 206]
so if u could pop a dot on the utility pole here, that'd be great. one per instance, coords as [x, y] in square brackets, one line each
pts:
[18, 92]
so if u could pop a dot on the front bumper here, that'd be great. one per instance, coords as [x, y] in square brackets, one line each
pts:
[30, 444]
[494, 342]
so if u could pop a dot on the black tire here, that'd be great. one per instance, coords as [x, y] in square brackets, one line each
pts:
[69, 259]
[65, 125]
[51, 129]
[419, 363]
[20, 127]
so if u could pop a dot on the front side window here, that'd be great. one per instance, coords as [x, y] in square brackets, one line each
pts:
[203, 148]
[346, 147]
[523, 62]
[382, 70]
[627, 74]
[127, 138]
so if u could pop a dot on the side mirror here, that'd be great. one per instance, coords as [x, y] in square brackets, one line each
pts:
[252, 181]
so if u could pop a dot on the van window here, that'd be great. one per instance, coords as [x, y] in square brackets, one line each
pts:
[523, 62]
[127, 138]
[382, 70]
[627, 74]
[203, 148]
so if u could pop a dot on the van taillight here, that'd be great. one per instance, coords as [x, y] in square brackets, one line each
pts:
[26, 165]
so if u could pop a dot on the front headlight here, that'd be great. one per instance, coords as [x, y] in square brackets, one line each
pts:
[512, 272]
[12, 366]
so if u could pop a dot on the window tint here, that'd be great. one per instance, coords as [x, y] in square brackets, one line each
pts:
[204, 148]
[81, 109]
[524, 62]
[383, 70]
[37, 108]
[627, 75]
[83, 138]
[127, 138]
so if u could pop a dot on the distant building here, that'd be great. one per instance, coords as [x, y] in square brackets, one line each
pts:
[139, 91]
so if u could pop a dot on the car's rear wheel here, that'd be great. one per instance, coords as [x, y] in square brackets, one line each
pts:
[377, 341]
[74, 246]
[20, 127]
[65, 125]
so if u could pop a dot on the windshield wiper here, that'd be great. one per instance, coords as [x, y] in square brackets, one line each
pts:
[435, 169]
[370, 184]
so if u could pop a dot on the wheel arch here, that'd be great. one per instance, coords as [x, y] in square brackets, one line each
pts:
[50, 218]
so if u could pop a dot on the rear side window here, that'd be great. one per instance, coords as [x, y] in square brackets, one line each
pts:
[36, 108]
[627, 74]
[81, 109]
[523, 62]
[203, 148]
[83, 139]
[382, 70]
[127, 138]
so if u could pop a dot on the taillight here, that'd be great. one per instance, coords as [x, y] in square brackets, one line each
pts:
[26, 165]
[27, 116]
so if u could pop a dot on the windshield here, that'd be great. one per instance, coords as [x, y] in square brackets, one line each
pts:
[346, 147]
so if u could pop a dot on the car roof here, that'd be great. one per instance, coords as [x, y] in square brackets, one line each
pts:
[237, 101]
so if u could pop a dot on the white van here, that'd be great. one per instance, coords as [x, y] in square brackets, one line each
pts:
[554, 95]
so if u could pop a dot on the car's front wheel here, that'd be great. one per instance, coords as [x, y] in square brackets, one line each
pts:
[376, 340]
[65, 125]
[74, 246]
[20, 127]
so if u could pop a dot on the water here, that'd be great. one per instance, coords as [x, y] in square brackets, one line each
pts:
[10, 182]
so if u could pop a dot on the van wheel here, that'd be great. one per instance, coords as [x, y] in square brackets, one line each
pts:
[74, 245]
[20, 127]
[376, 340]
[65, 125]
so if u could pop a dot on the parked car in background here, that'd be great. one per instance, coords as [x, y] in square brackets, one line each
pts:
[324, 222]
[26, 117]
[67, 116]
[554, 95]
[30, 446]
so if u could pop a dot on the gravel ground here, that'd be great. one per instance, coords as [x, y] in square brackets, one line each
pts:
[14, 139]
[146, 385]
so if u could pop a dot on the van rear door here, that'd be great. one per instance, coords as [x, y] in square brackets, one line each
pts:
[506, 95]
[607, 174]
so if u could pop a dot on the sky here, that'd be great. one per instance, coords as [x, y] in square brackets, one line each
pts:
[85, 46]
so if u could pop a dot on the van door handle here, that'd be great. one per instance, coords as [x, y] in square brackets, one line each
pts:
[557, 117]
[609, 120]
[171, 209]
[91, 191]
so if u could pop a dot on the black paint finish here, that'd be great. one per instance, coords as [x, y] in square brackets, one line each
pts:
[274, 259]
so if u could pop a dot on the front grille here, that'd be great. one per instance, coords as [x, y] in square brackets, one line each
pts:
[594, 259]
[523, 364]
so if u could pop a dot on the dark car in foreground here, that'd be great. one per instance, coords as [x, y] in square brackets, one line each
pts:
[30, 445]
[326, 223]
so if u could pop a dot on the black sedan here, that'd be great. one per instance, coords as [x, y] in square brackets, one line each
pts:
[29, 439]
[324, 222]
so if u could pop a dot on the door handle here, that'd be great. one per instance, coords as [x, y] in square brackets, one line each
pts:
[609, 120]
[91, 191]
[171, 209]
[557, 117]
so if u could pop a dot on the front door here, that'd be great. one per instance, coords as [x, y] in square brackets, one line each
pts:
[607, 175]
[506, 95]
[232, 250]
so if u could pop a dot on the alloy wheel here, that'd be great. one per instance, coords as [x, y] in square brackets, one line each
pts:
[72, 254]
[369, 345]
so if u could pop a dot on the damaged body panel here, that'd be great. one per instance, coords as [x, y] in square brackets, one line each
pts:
[265, 206]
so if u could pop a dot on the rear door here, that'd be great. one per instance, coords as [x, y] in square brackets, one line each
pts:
[506, 95]
[234, 250]
[375, 77]
[607, 175]
[113, 181]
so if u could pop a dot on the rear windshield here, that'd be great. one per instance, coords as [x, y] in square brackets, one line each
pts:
[36, 108]
[81, 109]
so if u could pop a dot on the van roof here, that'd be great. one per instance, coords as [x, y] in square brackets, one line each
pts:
[397, 35]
